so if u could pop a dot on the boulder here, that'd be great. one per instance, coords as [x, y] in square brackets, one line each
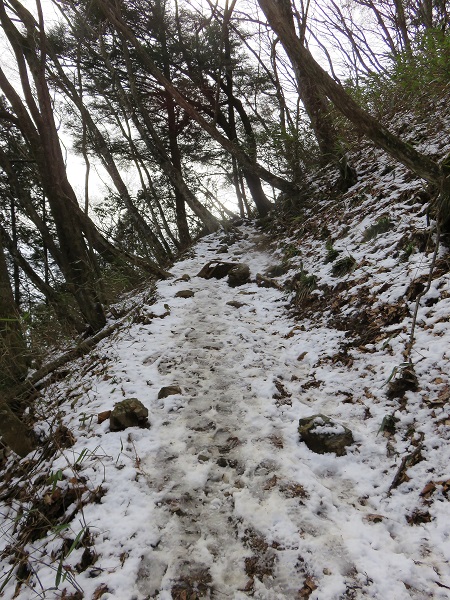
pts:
[321, 434]
[238, 275]
[216, 269]
[169, 390]
[184, 294]
[128, 413]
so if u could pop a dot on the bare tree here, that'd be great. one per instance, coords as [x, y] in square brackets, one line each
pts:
[363, 122]
[37, 125]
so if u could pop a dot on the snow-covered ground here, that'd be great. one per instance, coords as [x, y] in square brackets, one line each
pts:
[219, 498]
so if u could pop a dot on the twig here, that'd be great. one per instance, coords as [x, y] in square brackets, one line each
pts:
[407, 461]
[422, 294]
[32, 383]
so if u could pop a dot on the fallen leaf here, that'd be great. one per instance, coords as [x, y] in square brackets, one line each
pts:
[270, 483]
[99, 591]
[308, 588]
[373, 518]
[428, 489]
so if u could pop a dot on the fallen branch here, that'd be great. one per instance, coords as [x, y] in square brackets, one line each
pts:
[32, 383]
[421, 295]
[407, 461]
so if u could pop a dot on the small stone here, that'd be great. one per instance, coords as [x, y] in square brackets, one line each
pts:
[169, 390]
[277, 270]
[238, 275]
[128, 413]
[323, 435]
[222, 462]
[203, 458]
[184, 294]
[236, 304]
[103, 416]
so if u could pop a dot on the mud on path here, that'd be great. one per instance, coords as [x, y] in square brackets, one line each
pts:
[231, 471]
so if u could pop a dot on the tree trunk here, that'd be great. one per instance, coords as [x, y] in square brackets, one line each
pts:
[52, 297]
[233, 149]
[175, 154]
[13, 349]
[262, 203]
[154, 144]
[42, 136]
[363, 122]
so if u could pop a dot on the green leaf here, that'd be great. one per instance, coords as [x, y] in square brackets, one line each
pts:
[58, 528]
[59, 573]
[76, 541]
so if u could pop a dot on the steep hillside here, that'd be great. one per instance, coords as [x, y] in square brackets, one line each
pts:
[346, 316]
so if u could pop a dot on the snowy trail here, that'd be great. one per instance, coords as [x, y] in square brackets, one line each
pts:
[222, 360]
[219, 498]
[243, 507]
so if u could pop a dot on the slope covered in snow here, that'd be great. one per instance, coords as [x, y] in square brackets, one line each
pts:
[220, 497]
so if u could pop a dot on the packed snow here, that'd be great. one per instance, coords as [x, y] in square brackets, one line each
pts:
[219, 497]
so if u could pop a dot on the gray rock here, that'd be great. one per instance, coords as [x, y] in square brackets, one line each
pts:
[169, 390]
[321, 434]
[216, 269]
[277, 270]
[238, 275]
[128, 413]
[184, 294]
[236, 304]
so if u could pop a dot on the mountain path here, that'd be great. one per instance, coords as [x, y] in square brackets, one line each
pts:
[219, 498]
[233, 520]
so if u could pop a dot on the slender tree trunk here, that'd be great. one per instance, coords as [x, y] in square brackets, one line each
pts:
[237, 187]
[42, 137]
[175, 154]
[58, 304]
[402, 26]
[233, 149]
[22, 196]
[154, 144]
[13, 349]
[260, 199]
[16, 273]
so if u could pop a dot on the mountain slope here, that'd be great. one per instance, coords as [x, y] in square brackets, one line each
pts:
[220, 497]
